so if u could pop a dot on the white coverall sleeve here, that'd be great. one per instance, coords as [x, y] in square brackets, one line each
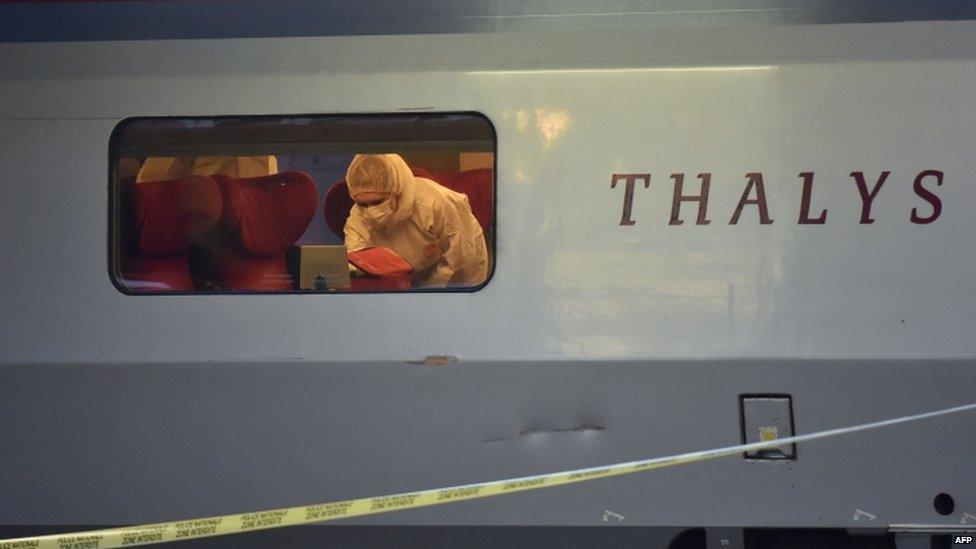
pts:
[356, 234]
[454, 255]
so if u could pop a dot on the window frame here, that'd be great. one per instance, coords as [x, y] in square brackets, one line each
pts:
[115, 207]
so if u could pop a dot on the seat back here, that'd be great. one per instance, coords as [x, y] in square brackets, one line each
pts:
[163, 218]
[262, 217]
[166, 215]
[336, 207]
[267, 214]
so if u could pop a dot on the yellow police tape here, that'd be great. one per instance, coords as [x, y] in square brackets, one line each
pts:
[163, 532]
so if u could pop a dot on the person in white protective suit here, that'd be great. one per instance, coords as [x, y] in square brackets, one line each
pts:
[427, 224]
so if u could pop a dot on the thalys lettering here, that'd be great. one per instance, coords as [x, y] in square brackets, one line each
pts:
[864, 188]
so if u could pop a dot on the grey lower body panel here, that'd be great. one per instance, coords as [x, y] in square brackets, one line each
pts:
[134, 443]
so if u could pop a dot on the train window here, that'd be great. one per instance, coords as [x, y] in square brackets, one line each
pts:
[302, 204]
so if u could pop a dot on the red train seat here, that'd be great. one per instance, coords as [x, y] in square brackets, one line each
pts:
[165, 216]
[262, 217]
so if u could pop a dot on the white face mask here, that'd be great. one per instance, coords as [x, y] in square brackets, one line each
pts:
[378, 215]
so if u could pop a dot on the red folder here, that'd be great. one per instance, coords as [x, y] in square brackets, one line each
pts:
[380, 261]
